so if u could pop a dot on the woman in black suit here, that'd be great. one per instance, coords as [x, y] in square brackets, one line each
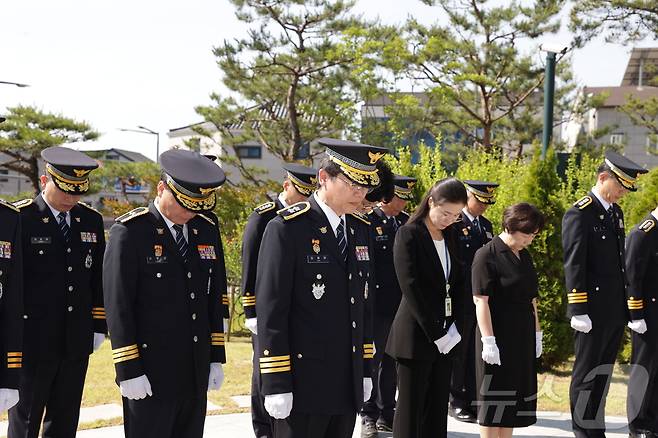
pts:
[423, 332]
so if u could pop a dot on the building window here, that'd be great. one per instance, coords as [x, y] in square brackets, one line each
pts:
[652, 145]
[248, 151]
[617, 138]
[4, 172]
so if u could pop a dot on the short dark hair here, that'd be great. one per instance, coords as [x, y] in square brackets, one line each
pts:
[330, 167]
[524, 218]
[446, 190]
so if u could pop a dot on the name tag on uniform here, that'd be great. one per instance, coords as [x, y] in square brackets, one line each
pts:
[41, 240]
[382, 238]
[207, 252]
[88, 237]
[5, 249]
[317, 259]
[155, 260]
[362, 253]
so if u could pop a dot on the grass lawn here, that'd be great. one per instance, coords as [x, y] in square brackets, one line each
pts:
[101, 389]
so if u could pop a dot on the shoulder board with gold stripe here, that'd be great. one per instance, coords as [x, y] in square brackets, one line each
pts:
[647, 225]
[264, 208]
[22, 203]
[361, 217]
[89, 207]
[583, 202]
[295, 210]
[206, 218]
[8, 205]
[132, 214]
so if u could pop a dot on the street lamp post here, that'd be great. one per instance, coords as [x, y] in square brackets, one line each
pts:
[144, 130]
[549, 93]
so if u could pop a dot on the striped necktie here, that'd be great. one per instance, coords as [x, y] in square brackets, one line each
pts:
[180, 241]
[66, 230]
[342, 240]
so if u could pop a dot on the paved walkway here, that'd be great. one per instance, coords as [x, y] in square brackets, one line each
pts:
[550, 424]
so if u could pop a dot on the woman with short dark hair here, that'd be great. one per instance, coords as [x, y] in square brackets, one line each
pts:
[426, 261]
[509, 336]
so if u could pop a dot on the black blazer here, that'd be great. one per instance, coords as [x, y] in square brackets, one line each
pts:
[421, 318]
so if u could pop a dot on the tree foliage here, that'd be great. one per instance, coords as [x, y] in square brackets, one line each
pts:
[28, 130]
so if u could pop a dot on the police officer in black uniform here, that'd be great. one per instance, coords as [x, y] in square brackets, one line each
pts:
[163, 302]
[299, 183]
[641, 295]
[64, 317]
[377, 413]
[312, 283]
[594, 268]
[475, 231]
[11, 305]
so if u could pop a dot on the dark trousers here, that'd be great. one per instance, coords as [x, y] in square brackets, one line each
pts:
[155, 417]
[315, 426]
[54, 387]
[260, 419]
[462, 384]
[642, 399]
[422, 407]
[381, 404]
[595, 352]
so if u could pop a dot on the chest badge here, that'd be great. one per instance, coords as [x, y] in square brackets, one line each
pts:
[362, 253]
[160, 230]
[45, 220]
[323, 230]
[5, 250]
[379, 230]
[77, 219]
[318, 290]
[316, 245]
[195, 231]
[157, 250]
[207, 252]
[465, 231]
[88, 261]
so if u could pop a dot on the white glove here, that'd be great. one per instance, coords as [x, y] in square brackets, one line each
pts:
[455, 337]
[98, 340]
[539, 344]
[367, 388]
[443, 343]
[8, 398]
[250, 323]
[638, 325]
[490, 352]
[216, 376]
[226, 321]
[137, 388]
[279, 405]
[581, 323]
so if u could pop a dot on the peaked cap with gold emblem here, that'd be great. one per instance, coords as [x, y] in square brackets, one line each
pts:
[404, 186]
[304, 178]
[69, 169]
[624, 170]
[357, 161]
[192, 178]
[485, 192]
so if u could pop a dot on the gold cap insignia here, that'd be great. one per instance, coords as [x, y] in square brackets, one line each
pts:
[375, 156]
[81, 172]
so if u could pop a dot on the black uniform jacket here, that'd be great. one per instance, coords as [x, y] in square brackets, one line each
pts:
[11, 296]
[312, 328]
[469, 242]
[164, 314]
[421, 318]
[387, 290]
[222, 282]
[594, 263]
[63, 283]
[642, 270]
[251, 239]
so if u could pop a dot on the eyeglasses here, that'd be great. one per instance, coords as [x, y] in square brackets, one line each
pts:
[354, 186]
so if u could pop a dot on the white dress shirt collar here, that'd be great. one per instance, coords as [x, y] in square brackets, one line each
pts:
[332, 217]
[169, 223]
[57, 212]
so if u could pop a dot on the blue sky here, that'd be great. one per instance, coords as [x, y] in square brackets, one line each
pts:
[121, 63]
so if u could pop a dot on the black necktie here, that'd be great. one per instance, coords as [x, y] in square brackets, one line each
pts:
[342, 241]
[476, 226]
[395, 224]
[66, 230]
[180, 241]
[611, 215]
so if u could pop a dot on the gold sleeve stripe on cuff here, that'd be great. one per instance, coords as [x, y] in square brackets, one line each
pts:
[126, 348]
[15, 360]
[124, 352]
[274, 358]
[122, 355]
[577, 301]
[126, 358]
[217, 343]
[275, 370]
[275, 364]
[577, 294]
[14, 354]
[368, 356]
[100, 309]
[14, 365]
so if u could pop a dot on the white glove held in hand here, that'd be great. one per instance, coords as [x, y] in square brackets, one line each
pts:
[98, 340]
[367, 388]
[251, 324]
[539, 344]
[490, 352]
[581, 323]
[443, 343]
[137, 388]
[638, 326]
[8, 398]
[215, 376]
[279, 405]
[455, 337]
